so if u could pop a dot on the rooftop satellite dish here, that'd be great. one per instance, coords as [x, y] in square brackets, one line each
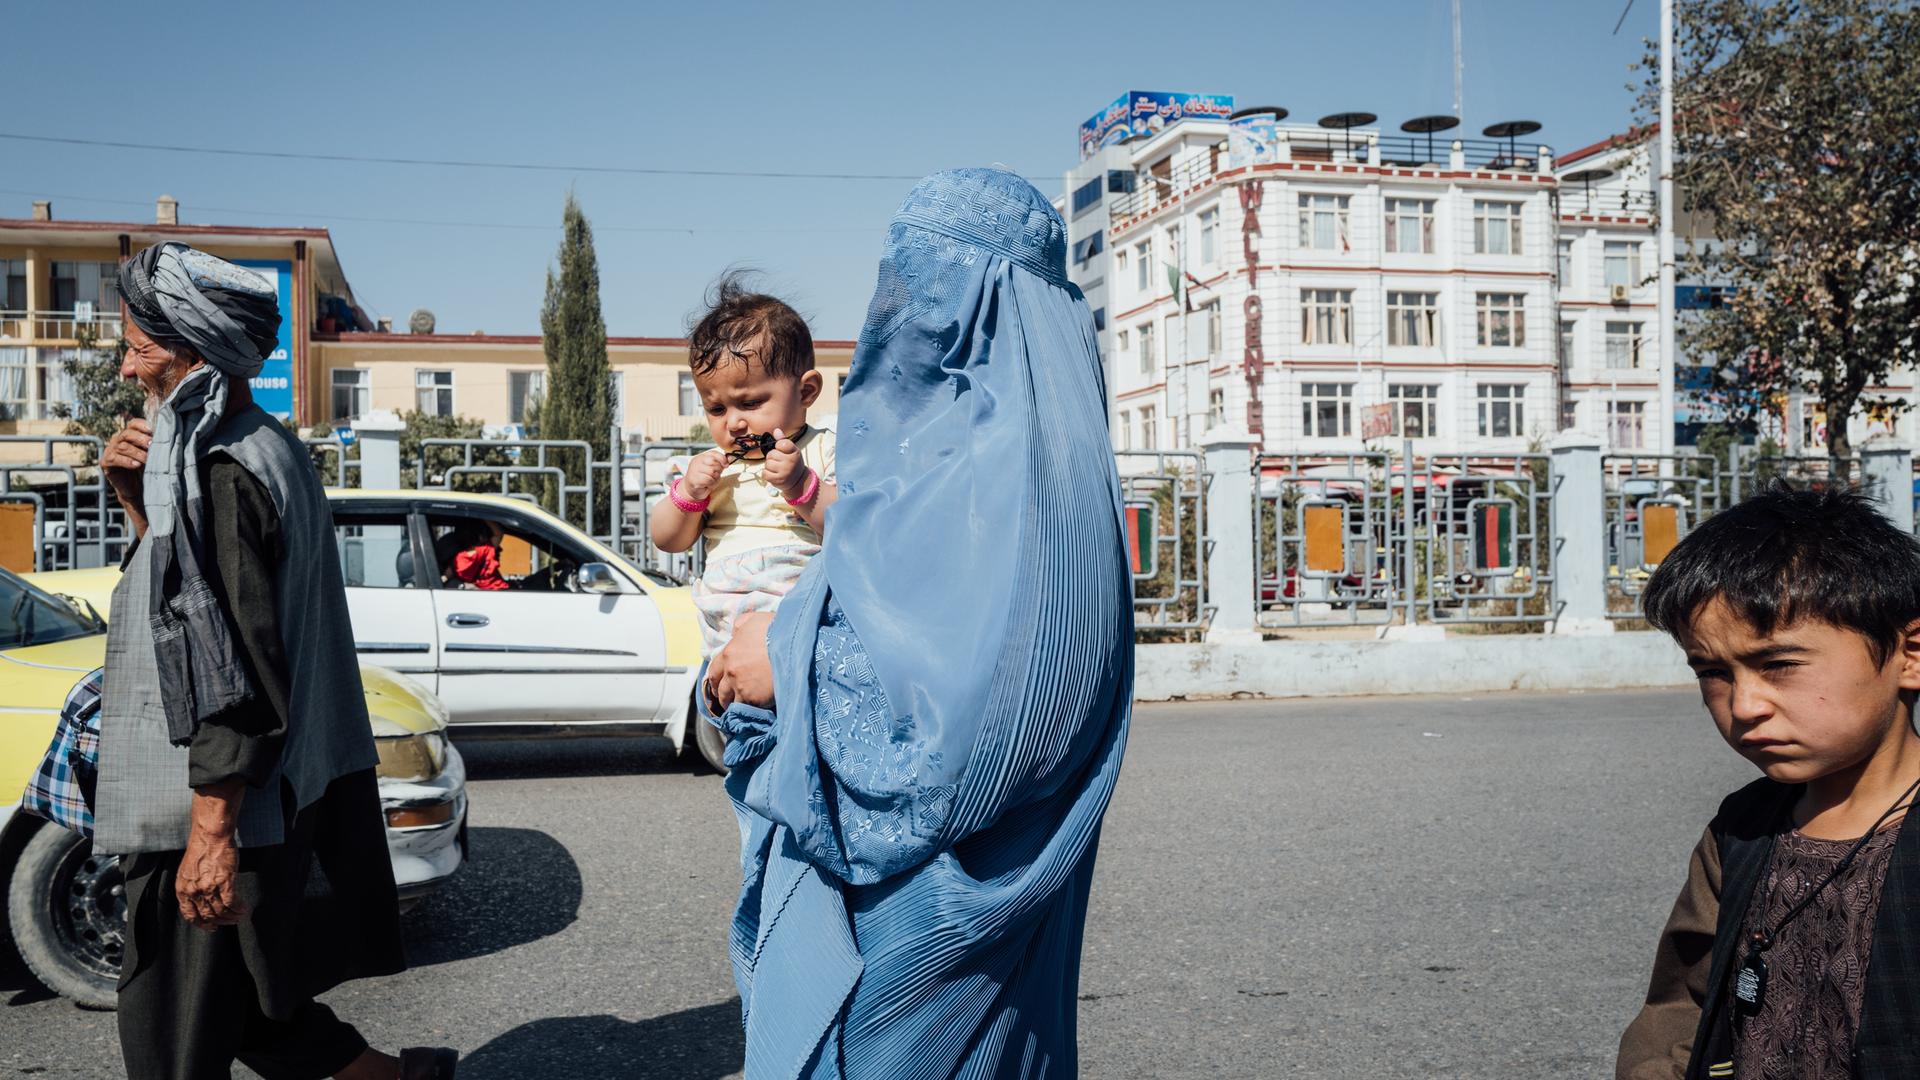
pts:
[421, 321]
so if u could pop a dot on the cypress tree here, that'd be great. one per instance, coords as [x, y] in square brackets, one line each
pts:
[577, 403]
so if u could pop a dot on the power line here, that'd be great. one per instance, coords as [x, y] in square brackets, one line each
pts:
[527, 166]
[288, 215]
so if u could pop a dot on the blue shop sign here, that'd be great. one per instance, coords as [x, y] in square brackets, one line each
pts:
[273, 387]
[1145, 112]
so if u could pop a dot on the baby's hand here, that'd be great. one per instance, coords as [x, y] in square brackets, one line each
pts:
[703, 475]
[784, 469]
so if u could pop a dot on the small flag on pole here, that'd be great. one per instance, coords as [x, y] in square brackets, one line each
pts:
[1141, 527]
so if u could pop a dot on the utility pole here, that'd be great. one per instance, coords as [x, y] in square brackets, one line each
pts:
[1669, 352]
[1459, 64]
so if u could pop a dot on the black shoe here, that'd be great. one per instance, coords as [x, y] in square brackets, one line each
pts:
[427, 1063]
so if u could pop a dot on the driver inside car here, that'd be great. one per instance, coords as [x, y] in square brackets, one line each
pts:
[469, 556]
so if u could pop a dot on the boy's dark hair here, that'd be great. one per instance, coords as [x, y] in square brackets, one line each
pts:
[735, 320]
[1784, 556]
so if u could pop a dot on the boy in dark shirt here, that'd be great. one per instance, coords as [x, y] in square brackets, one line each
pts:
[1794, 948]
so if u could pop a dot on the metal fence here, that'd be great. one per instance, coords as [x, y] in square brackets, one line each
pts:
[1374, 539]
[1488, 537]
[77, 522]
[1164, 497]
[1325, 541]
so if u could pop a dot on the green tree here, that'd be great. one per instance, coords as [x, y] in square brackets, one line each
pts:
[578, 403]
[102, 400]
[423, 426]
[1794, 147]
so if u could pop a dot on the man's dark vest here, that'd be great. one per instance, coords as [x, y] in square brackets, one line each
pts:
[1887, 1044]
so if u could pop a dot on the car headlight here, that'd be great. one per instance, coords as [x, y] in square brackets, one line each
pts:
[411, 757]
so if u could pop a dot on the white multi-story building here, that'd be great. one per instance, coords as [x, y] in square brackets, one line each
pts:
[1607, 269]
[1350, 290]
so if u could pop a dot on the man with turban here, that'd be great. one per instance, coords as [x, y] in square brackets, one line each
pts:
[924, 738]
[234, 746]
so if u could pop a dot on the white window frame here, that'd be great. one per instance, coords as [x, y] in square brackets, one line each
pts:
[1421, 399]
[1496, 228]
[1627, 425]
[1216, 407]
[1147, 358]
[1149, 429]
[1625, 340]
[1216, 331]
[1569, 334]
[1315, 395]
[1143, 269]
[1563, 264]
[425, 381]
[1326, 316]
[1494, 312]
[1494, 399]
[1418, 312]
[361, 387]
[1621, 262]
[689, 395]
[1209, 237]
[1409, 215]
[1124, 425]
[1335, 210]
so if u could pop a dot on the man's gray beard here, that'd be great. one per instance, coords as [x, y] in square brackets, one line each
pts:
[152, 409]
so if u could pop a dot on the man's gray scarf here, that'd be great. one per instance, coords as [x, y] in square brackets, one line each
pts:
[180, 294]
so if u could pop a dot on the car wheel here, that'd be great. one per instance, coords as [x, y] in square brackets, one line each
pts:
[712, 744]
[68, 911]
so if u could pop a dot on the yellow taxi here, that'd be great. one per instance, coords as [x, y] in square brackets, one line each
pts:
[65, 907]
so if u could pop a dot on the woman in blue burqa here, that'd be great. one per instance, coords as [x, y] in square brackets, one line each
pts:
[925, 736]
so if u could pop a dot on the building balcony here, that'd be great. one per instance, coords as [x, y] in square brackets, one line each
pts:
[1357, 147]
[1574, 200]
[58, 327]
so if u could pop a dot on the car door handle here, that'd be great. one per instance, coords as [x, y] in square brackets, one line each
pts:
[467, 620]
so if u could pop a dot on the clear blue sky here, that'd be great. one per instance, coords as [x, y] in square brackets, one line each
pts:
[839, 87]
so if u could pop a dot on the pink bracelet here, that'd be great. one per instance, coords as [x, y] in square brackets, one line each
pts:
[813, 488]
[686, 505]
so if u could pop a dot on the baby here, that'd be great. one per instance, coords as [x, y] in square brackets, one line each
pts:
[760, 508]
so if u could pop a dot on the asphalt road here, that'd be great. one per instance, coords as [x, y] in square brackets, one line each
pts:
[1386, 887]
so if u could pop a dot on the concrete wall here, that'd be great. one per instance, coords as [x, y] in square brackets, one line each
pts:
[1471, 663]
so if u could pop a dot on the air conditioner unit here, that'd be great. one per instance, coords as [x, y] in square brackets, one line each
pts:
[1619, 294]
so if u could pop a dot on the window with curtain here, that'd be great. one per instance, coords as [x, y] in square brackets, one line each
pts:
[1326, 316]
[1410, 226]
[523, 387]
[1623, 345]
[1415, 409]
[1496, 228]
[1502, 410]
[433, 392]
[15, 363]
[1149, 433]
[352, 392]
[1626, 424]
[1215, 335]
[1323, 222]
[1326, 410]
[690, 395]
[1622, 263]
[1501, 319]
[1413, 318]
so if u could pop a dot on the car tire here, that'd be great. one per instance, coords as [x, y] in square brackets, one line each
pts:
[67, 908]
[711, 743]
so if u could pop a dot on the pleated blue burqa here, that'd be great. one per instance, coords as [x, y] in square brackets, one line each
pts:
[920, 811]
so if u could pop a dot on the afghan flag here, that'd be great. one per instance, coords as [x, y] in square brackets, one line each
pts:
[1140, 529]
[1493, 536]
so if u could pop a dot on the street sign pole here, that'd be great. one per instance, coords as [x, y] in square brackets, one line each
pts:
[1669, 353]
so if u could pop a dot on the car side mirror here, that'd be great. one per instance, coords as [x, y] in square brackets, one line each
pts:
[597, 577]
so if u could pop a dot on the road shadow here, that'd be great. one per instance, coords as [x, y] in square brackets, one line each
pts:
[538, 758]
[695, 1044]
[519, 885]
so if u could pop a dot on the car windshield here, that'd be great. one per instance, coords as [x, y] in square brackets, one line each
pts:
[29, 616]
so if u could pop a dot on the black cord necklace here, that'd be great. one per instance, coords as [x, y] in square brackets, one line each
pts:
[1750, 982]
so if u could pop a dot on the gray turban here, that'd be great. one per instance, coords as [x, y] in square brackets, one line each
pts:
[230, 317]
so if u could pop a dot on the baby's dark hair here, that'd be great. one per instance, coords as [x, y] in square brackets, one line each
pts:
[1784, 556]
[737, 319]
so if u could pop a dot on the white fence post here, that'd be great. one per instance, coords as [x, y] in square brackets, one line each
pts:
[1579, 536]
[378, 434]
[1886, 470]
[1231, 573]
